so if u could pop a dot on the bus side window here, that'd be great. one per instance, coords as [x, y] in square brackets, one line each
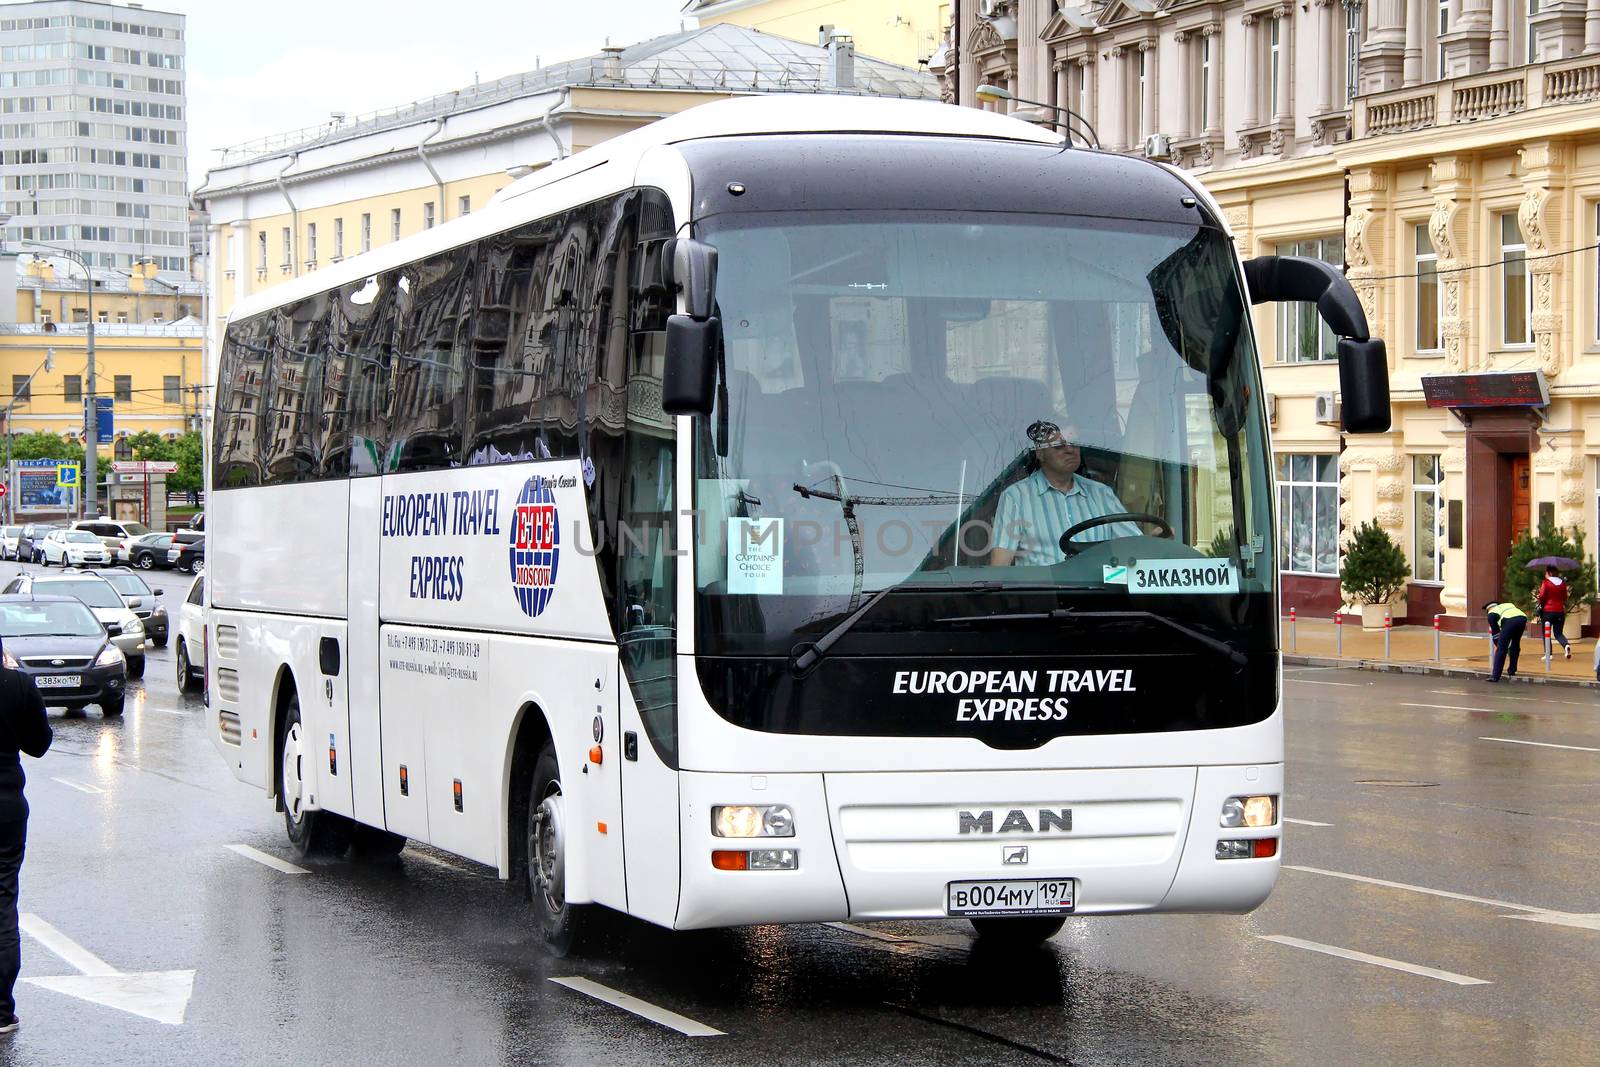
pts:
[293, 393]
[429, 360]
[236, 448]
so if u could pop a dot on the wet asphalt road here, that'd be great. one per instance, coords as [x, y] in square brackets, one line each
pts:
[1488, 847]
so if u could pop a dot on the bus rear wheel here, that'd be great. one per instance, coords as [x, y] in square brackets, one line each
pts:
[310, 832]
[1028, 931]
[558, 922]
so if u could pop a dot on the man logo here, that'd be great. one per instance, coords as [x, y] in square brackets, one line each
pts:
[1016, 822]
[1014, 855]
[535, 546]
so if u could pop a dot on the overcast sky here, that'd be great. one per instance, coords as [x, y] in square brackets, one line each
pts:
[274, 65]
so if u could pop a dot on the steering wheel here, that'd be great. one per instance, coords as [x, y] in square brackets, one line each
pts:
[1072, 548]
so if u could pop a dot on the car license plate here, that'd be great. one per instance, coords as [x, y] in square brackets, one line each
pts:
[1033, 896]
[57, 681]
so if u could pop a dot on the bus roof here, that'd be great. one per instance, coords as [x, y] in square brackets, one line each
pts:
[619, 156]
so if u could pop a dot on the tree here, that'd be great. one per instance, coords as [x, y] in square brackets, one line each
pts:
[1520, 582]
[187, 451]
[1374, 568]
[44, 445]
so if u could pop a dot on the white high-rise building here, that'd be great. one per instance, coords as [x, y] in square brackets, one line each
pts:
[94, 132]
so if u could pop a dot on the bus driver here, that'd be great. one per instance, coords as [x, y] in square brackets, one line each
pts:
[1036, 511]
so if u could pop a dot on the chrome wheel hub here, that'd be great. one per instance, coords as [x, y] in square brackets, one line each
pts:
[294, 786]
[547, 851]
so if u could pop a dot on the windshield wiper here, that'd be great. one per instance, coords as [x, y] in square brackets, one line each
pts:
[806, 660]
[1222, 648]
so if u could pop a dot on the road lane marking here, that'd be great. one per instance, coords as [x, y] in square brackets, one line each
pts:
[1313, 681]
[170, 711]
[159, 995]
[1450, 707]
[81, 787]
[1376, 961]
[1336, 667]
[1589, 921]
[642, 1008]
[266, 859]
[1540, 744]
[71, 953]
[1305, 822]
[1422, 889]
[941, 942]
[1520, 700]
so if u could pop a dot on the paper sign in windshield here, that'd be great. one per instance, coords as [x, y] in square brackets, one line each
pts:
[1183, 576]
[755, 556]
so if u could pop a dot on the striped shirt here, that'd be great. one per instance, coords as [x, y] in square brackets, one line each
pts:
[1033, 514]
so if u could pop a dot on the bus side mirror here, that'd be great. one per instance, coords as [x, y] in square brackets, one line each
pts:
[689, 381]
[690, 267]
[1364, 385]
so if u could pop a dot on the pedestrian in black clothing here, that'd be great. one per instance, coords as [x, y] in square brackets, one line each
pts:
[23, 728]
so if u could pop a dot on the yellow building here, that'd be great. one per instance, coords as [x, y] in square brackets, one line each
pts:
[148, 347]
[906, 32]
[1448, 156]
[285, 205]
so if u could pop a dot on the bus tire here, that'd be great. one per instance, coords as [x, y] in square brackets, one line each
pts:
[373, 843]
[558, 922]
[1029, 931]
[310, 832]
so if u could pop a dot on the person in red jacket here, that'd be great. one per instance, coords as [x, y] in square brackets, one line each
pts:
[1551, 598]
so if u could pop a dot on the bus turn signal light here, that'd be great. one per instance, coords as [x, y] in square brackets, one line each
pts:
[724, 860]
[1265, 847]
[595, 755]
[1258, 848]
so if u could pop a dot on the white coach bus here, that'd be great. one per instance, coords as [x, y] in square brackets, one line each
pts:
[794, 510]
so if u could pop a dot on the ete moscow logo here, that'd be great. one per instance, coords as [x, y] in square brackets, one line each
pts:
[535, 546]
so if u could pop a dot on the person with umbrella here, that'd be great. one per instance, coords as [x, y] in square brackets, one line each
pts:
[1551, 597]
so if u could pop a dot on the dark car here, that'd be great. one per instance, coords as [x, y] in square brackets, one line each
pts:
[31, 539]
[150, 551]
[59, 643]
[189, 556]
[141, 600]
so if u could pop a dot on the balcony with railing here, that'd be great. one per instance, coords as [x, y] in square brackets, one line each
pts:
[1486, 95]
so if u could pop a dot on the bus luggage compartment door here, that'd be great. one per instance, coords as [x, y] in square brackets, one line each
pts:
[902, 838]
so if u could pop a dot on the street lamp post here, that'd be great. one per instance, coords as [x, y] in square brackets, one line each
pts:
[89, 491]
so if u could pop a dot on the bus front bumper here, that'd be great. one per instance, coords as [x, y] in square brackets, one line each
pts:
[888, 845]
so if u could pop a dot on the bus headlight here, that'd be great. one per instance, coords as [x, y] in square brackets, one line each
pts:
[749, 820]
[1254, 812]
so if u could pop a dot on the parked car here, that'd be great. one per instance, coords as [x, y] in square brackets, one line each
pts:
[58, 642]
[148, 551]
[30, 543]
[73, 548]
[126, 631]
[143, 601]
[189, 558]
[8, 541]
[112, 532]
[191, 647]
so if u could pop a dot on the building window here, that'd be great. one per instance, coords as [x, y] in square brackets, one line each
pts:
[1516, 303]
[1205, 82]
[1597, 271]
[427, 215]
[311, 242]
[1308, 505]
[1427, 519]
[338, 238]
[394, 225]
[171, 389]
[288, 247]
[72, 388]
[21, 391]
[122, 386]
[1444, 28]
[1275, 60]
[101, 316]
[463, 206]
[1352, 50]
[1142, 72]
[1533, 39]
[1302, 335]
[1427, 291]
[122, 316]
[45, 315]
[366, 232]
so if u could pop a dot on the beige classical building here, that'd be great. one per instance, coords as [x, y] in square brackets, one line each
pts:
[1448, 153]
[906, 32]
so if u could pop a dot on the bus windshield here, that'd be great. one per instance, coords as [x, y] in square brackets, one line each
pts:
[925, 403]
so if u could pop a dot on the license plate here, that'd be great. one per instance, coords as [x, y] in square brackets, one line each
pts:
[1041, 896]
[57, 681]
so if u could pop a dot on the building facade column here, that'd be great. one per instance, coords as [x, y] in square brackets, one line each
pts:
[1416, 23]
[1466, 46]
[1591, 26]
[1383, 49]
[1063, 71]
[1500, 34]
[1252, 74]
[1283, 106]
[1544, 179]
[1213, 34]
[1116, 101]
[1188, 100]
[1323, 68]
[1147, 55]
[1447, 233]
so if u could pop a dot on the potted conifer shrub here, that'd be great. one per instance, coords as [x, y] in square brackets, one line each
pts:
[1374, 571]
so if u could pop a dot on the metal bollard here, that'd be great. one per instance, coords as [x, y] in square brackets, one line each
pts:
[1294, 640]
[1436, 619]
[1338, 635]
[1548, 633]
[1387, 623]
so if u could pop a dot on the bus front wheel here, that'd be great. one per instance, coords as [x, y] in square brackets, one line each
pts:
[559, 922]
[1022, 932]
[319, 832]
